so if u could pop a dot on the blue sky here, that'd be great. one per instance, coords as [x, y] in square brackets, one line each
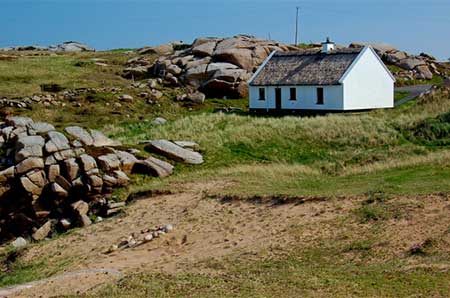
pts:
[410, 25]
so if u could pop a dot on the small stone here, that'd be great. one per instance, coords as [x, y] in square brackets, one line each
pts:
[59, 190]
[50, 160]
[95, 181]
[43, 231]
[19, 242]
[121, 177]
[159, 121]
[126, 98]
[87, 163]
[98, 219]
[57, 142]
[71, 168]
[52, 172]
[127, 161]
[85, 220]
[29, 186]
[148, 238]
[65, 154]
[109, 180]
[81, 207]
[167, 228]
[113, 248]
[63, 182]
[38, 178]
[65, 223]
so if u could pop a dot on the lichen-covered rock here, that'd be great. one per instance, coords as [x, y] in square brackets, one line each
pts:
[87, 163]
[109, 162]
[100, 140]
[29, 164]
[18, 121]
[43, 231]
[71, 169]
[153, 166]
[57, 142]
[29, 146]
[80, 207]
[127, 161]
[41, 127]
[80, 134]
[174, 152]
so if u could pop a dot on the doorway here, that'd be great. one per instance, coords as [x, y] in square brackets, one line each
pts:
[278, 98]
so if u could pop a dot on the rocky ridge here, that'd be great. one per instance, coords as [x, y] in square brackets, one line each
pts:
[411, 67]
[55, 180]
[68, 46]
[214, 66]
[221, 67]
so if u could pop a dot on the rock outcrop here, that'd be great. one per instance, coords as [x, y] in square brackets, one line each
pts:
[411, 67]
[221, 67]
[217, 67]
[55, 180]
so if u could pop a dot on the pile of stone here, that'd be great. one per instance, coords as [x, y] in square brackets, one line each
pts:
[137, 239]
[60, 99]
[68, 46]
[412, 67]
[52, 180]
[215, 66]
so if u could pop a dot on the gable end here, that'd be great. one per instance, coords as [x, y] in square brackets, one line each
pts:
[355, 62]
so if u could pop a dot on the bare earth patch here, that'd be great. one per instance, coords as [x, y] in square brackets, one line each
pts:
[209, 229]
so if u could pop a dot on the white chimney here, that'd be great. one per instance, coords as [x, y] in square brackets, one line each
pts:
[328, 46]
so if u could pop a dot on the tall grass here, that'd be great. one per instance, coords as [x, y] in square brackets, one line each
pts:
[346, 153]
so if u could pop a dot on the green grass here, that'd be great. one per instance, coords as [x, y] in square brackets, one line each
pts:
[400, 95]
[23, 77]
[436, 80]
[310, 272]
[394, 68]
[16, 271]
[330, 155]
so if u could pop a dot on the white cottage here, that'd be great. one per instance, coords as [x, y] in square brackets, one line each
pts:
[324, 80]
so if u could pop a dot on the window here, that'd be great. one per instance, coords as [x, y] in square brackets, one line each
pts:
[320, 96]
[262, 94]
[293, 92]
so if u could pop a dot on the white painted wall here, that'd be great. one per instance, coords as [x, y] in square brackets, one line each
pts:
[368, 85]
[306, 98]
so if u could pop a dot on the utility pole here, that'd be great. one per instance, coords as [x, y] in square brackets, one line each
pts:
[296, 27]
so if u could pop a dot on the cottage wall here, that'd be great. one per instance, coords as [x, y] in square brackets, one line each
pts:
[306, 98]
[368, 85]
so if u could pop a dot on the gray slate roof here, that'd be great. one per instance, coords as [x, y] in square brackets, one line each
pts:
[309, 67]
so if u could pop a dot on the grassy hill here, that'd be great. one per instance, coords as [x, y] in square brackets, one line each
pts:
[368, 192]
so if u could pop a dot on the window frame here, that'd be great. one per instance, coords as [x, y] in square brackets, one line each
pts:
[262, 91]
[293, 90]
[320, 100]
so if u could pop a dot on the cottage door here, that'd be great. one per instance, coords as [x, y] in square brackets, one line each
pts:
[278, 98]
